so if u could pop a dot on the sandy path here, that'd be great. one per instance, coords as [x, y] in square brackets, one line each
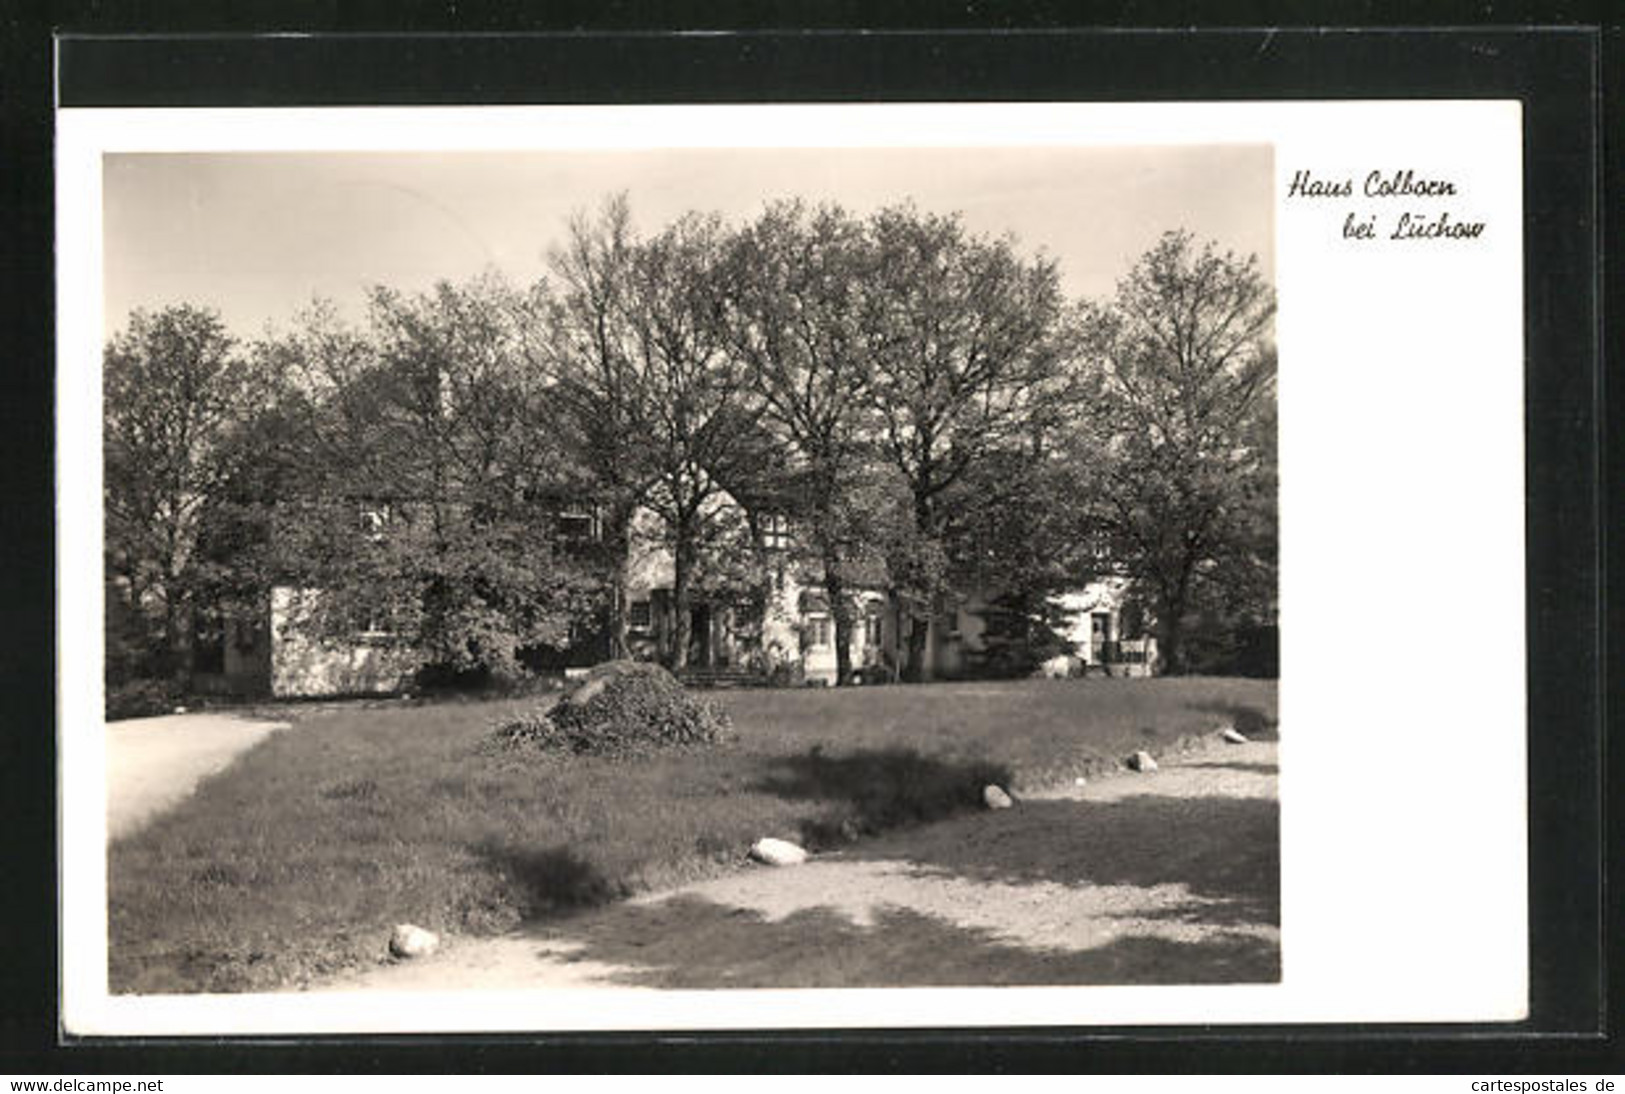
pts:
[1169, 877]
[154, 764]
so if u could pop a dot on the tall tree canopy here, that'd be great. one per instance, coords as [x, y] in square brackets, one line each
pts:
[1179, 450]
[964, 340]
[919, 402]
[799, 299]
[176, 390]
[426, 519]
[700, 417]
[582, 336]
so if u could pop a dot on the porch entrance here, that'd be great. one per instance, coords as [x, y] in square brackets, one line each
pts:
[1100, 638]
[710, 637]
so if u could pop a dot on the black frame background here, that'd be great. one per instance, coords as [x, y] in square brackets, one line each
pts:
[1559, 72]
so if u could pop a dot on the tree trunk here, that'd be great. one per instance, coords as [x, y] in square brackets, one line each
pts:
[176, 639]
[617, 648]
[619, 536]
[1170, 646]
[1171, 627]
[680, 596]
[920, 623]
[178, 627]
[171, 658]
[841, 613]
[919, 632]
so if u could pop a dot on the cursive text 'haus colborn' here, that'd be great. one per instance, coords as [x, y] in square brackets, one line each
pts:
[1403, 183]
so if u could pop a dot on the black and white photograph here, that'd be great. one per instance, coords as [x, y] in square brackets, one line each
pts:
[726, 569]
[690, 569]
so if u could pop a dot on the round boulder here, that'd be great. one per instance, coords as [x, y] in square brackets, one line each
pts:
[408, 941]
[1141, 761]
[778, 852]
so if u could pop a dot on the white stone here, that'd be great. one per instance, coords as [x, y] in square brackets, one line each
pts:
[1080, 781]
[1057, 668]
[1233, 735]
[778, 852]
[410, 941]
[1142, 761]
[995, 797]
[180, 710]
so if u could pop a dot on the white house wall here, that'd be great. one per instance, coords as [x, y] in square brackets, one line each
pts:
[781, 624]
[818, 663]
[303, 666]
[1107, 595]
[651, 565]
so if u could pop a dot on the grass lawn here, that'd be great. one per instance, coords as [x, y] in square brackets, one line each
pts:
[294, 863]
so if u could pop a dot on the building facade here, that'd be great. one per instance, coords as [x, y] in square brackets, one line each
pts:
[779, 630]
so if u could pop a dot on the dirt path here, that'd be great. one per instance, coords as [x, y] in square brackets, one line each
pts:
[1168, 877]
[155, 763]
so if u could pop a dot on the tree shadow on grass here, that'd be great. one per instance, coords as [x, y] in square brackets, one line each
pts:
[1255, 723]
[1225, 851]
[548, 881]
[1253, 769]
[688, 942]
[874, 790]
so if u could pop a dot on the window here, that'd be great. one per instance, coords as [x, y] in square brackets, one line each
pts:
[577, 523]
[871, 630]
[640, 617]
[818, 631]
[376, 621]
[775, 532]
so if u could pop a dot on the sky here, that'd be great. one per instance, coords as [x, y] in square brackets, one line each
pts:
[258, 235]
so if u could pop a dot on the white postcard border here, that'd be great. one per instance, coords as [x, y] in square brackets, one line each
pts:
[1402, 695]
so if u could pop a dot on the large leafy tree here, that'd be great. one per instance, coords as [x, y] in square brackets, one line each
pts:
[581, 336]
[1179, 450]
[1020, 533]
[700, 425]
[963, 335]
[909, 393]
[800, 283]
[176, 392]
[430, 445]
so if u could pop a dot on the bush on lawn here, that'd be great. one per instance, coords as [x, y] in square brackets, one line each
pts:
[619, 709]
[141, 698]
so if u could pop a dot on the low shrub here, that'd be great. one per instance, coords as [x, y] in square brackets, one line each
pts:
[141, 698]
[784, 674]
[619, 709]
[443, 682]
